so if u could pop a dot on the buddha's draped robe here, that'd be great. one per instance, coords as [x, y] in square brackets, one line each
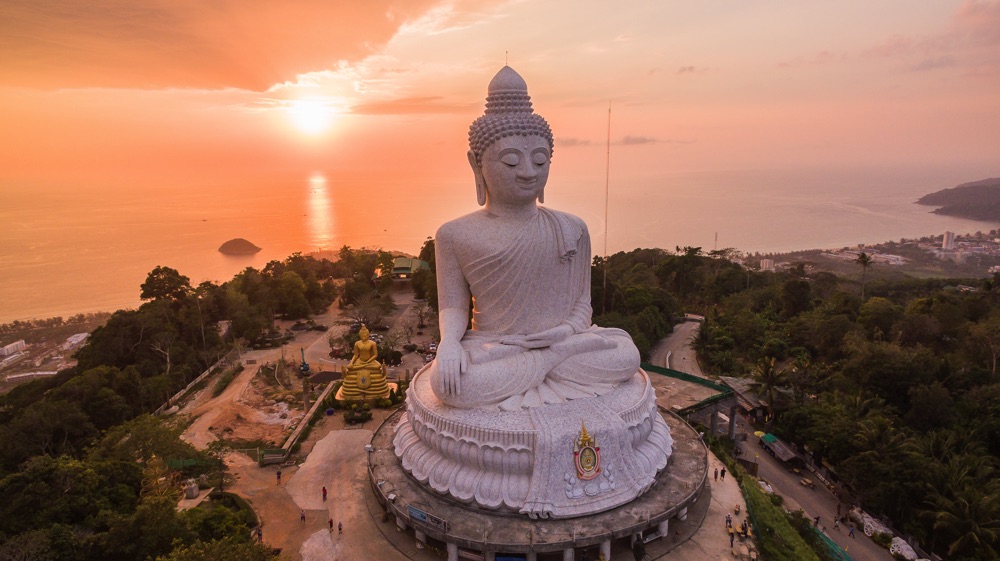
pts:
[538, 281]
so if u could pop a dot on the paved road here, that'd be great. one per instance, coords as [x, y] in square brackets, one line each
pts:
[813, 502]
[678, 346]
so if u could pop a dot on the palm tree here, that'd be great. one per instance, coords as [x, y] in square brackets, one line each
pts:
[801, 377]
[865, 260]
[767, 380]
[970, 521]
[987, 334]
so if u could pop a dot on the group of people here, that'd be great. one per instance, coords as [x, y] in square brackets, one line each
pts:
[302, 514]
[743, 530]
[722, 473]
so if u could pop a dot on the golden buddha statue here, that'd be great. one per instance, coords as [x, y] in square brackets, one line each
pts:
[364, 376]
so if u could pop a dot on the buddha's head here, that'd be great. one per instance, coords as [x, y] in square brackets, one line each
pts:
[364, 333]
[510, 145]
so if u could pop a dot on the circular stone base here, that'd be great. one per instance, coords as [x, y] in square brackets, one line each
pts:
[476, 529]
[562, 460]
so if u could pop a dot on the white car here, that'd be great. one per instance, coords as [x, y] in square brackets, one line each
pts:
[432, 347]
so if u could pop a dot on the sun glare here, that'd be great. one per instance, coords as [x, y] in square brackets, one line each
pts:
[310, 116]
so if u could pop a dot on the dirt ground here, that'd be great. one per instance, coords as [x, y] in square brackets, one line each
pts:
[255, 408]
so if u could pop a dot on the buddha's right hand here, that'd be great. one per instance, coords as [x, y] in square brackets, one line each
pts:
[451, 362]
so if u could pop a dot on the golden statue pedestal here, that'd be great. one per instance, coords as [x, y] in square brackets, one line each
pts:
[364, 384]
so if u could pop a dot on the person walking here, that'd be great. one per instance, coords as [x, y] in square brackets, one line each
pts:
[836, 524]
[331, 524]
[851, 532]
[722, 474]
[278, 476]
[340, 528]
[716, 474]
[260, 535]
[324, 492]
[302, 516]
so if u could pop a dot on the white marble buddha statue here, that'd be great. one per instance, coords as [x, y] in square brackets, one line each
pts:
[527, 271]
[509, 414]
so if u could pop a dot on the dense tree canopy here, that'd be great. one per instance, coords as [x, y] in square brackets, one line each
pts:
[896, 388]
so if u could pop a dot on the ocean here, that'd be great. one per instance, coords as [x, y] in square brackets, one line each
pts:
[65, 251]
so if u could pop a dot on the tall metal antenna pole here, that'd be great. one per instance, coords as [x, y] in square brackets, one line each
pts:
[607, 183]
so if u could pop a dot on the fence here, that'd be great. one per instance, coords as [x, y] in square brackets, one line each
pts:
[229, 357]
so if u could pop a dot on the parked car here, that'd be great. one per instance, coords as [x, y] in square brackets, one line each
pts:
[432, 347]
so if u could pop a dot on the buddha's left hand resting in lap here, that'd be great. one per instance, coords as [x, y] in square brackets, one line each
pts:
[526, 269]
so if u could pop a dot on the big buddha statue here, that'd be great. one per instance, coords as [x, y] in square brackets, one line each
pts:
[511, 412]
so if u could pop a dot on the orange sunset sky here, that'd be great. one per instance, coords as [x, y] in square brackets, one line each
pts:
[114, 90]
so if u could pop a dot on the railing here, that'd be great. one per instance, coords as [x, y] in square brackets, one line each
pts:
[228, 357]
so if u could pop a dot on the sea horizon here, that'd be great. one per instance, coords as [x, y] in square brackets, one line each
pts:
[80, 251]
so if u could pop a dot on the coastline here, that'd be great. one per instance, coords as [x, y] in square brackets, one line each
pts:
[108, 304]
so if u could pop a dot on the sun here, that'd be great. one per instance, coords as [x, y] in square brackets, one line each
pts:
[310, 116]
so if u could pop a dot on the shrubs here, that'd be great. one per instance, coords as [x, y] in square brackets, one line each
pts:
[778, 540]
[357, 412]
[227, 378]
[237, 504]
[882, 538]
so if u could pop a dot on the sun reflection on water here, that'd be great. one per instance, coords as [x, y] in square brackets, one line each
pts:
[319, 212]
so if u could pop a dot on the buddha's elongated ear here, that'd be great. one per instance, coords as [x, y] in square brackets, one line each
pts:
[480, 181]
[541, 195]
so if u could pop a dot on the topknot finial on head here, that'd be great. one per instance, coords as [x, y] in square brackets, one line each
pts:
[508, 112]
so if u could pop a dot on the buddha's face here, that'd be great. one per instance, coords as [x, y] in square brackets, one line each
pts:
[364, 336]
[515, 169]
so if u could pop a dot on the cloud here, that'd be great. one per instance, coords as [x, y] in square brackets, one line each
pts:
[971, 40]
[412, 105]
[247, 44]
[629, 140]
[980, 19]
[944, 61]
[820, 58]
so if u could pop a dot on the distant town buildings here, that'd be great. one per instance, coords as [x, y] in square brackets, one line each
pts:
[31, 375]
[767, 264]
[12, 348]
[880, 258]
[948, 243]
[74, 340]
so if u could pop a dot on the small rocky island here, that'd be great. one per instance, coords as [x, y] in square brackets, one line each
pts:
[238, 246]
[977, 200]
